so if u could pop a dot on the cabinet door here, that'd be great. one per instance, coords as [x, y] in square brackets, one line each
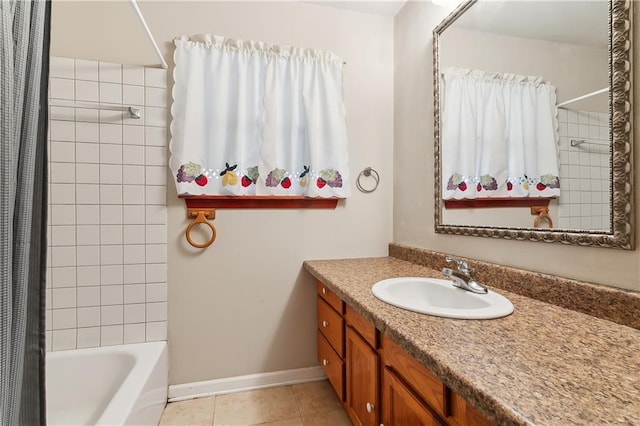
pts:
[426, 386]
[463, 414]
[362, 381]
[401, 406]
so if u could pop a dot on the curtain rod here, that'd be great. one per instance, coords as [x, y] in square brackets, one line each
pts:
[579, 98]
[148, 31]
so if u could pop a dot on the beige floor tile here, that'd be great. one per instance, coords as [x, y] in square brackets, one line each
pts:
[316, 399]
[296, 421]
[255, 407]
[193, 412]
[328, 418]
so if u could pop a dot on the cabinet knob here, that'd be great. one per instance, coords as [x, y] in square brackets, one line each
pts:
[325, 362]
[325, 324]
[370, 407]
[324, 290]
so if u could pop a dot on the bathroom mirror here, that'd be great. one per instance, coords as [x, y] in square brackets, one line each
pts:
[582, 48]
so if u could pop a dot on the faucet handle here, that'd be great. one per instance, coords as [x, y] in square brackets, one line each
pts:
[463, 265]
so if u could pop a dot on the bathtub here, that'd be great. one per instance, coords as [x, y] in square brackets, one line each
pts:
[114, 385]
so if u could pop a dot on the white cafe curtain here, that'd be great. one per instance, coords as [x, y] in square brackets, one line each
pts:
[499, 136]
[250, 118]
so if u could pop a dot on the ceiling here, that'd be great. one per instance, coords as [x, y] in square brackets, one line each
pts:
[91, 22]
[378, 7]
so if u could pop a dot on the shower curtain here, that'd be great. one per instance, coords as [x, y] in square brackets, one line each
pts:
[24, 65]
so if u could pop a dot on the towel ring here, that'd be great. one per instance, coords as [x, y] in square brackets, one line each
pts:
[368, 172]
[542, 213]
[201, 216]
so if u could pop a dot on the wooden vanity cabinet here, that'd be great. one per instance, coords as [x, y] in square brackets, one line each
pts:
[330, 336]
[376, 380]
[444, 405]
[347, 351]
[362, 370]
[419, 380]
[401, 406]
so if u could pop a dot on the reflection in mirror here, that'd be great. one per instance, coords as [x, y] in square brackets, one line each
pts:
[499, 138]
[524, 92]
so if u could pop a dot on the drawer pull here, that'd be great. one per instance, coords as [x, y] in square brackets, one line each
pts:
[325, 324]
[324, 290]
[370, 407]
[325, 362]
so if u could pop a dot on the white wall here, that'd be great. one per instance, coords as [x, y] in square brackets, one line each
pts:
[245, 305]
[107, 263]
[413, 160]
[573, 69]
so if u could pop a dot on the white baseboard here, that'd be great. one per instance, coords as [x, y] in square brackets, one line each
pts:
[243, 383]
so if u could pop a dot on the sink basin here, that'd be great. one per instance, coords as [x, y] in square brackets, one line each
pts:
[439, 297]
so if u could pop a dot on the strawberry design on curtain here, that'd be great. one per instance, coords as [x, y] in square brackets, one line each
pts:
[250, 118]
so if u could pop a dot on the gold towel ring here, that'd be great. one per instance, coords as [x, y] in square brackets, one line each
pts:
[542, 213]
[201, 216]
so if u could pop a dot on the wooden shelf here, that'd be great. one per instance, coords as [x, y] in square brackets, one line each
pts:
[477, 203]
[257, 202]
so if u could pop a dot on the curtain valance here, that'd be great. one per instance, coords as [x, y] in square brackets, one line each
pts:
[499, 136]
[211, 41]
[250, 118]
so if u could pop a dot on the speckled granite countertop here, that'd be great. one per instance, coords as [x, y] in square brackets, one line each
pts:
[542, 365]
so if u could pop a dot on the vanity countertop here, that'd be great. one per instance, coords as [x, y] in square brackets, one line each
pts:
[542, 365]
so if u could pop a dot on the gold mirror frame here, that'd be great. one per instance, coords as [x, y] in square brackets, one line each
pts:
[620, 108]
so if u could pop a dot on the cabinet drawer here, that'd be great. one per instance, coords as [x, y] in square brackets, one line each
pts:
[331, 325]
[421, 380]
[362, 326]
[332, 365]
[330, 297]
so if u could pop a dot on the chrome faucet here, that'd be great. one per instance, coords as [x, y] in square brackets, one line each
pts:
[463, 277]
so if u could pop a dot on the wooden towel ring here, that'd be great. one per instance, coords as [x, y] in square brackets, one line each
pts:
[542, 213]
[201, 216]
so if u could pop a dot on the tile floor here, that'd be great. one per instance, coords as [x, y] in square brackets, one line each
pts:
[305, 404]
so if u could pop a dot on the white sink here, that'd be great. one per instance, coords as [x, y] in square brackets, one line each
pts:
[439, 297]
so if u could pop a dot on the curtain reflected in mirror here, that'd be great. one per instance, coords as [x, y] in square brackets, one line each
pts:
[499, 136]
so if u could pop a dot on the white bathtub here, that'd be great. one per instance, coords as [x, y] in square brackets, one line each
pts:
[114, 385]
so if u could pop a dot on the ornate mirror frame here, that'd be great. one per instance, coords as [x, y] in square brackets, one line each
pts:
[620, 108]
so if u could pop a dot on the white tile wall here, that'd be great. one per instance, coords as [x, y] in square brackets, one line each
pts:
[86, 70]
[88, 337]
[584, 170]
[106, 279]
[134, 333]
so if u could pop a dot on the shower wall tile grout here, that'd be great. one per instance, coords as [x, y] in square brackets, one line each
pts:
[584, 170]
[106, 275]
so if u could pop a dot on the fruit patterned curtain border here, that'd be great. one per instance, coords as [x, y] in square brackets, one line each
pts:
[499, 136]
[250, 118]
